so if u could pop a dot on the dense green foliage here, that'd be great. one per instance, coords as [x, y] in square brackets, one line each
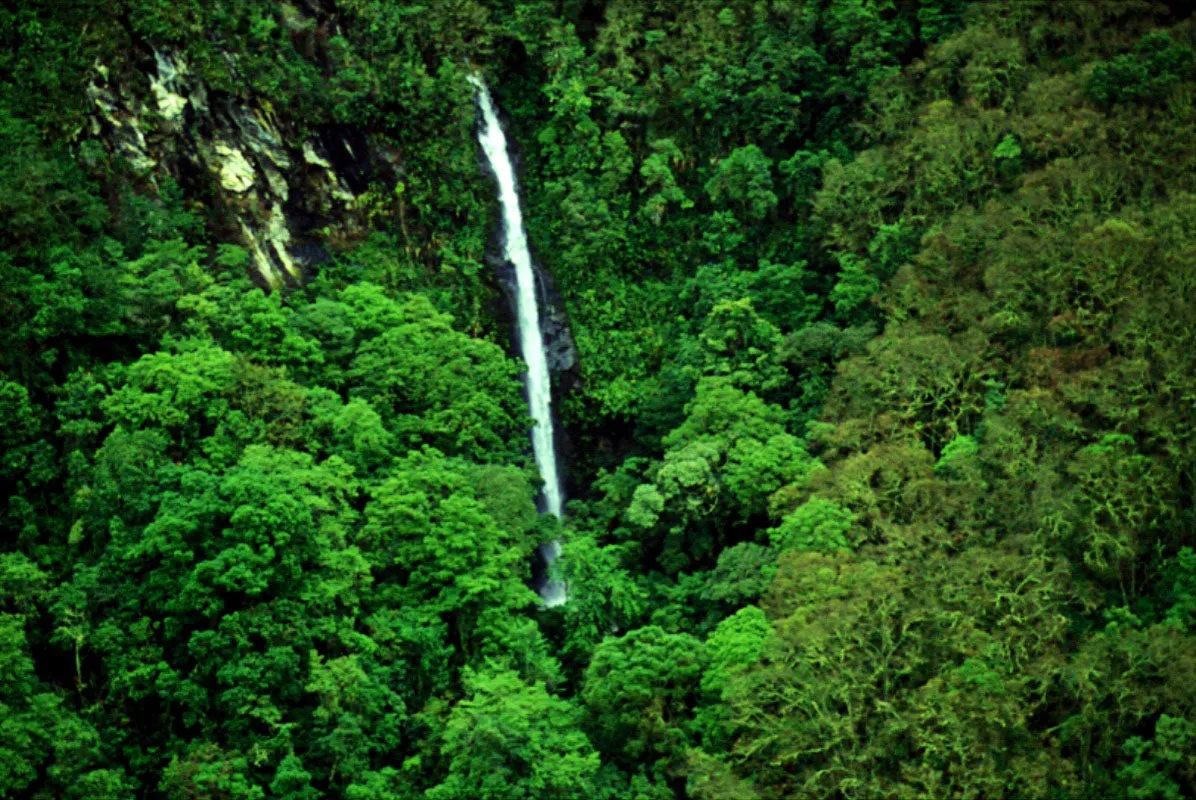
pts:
[883, 429]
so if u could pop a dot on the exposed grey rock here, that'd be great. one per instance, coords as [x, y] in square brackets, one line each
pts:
[167, 86]
[126, 135]
[559, 348]
[332, 185]
[313, 158]
[260, 132]
[236, 173]
[277, 189]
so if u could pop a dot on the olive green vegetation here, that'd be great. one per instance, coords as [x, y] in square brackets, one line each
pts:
[884, 426]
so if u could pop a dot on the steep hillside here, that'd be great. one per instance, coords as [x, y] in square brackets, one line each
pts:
[879, 424]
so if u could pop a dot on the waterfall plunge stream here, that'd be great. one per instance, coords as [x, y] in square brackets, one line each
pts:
[531, 340]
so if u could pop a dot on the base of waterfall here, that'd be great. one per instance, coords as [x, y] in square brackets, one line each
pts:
[553, 592]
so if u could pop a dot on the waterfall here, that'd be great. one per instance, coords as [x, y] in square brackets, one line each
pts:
[527, 312]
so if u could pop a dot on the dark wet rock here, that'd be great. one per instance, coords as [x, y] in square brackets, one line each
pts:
[559, 348]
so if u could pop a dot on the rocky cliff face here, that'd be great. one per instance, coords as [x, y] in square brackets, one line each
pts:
[275, 186]
[281, 188]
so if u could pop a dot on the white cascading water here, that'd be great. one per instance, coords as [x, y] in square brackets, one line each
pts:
[531, 341]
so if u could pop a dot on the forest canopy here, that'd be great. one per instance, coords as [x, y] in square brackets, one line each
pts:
[880, 437]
